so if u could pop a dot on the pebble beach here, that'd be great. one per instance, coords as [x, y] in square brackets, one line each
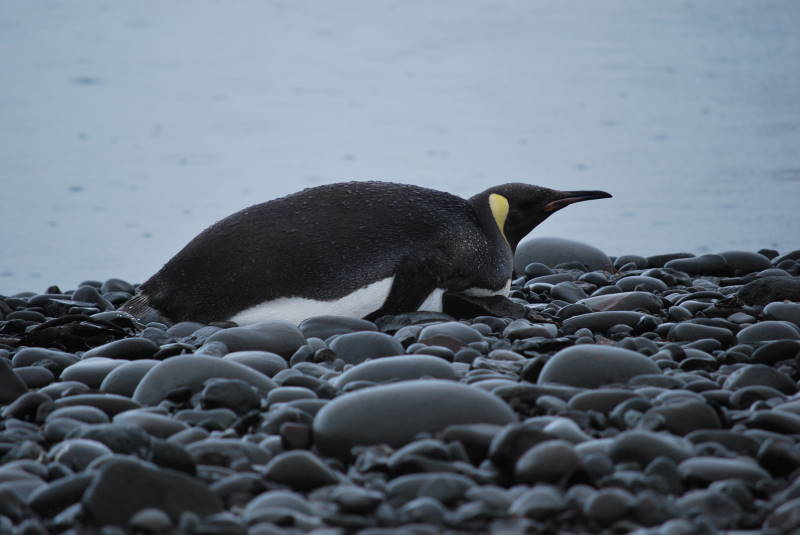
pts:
[629, 394]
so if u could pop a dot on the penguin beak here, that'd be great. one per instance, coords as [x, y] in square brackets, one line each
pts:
[565, 198]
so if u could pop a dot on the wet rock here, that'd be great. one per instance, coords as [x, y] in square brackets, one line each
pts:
[398, 368]
[127, 348]
[50, 499]
[760, 375]
[357, 347]
[279, 337]
[693, 331]
[30, 356]
[711, 264]
[300, 470]
[326, 326]
[90, 372]
[782, 311]
[11, 386]
[124, 379]
[630, 301]
[768, 330]
[554, 251]
[641, 283]
[590, 366]
[766, 290]
[77, 453]
[551, 461]
[125, 486]
[191, 371]
[394, 414]
[234, 394]
[608, 505]
[708, 469]
[602, 321]
[644, 446]
[540, 502]
[262, 361]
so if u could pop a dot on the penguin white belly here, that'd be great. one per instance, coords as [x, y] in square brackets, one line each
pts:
[484, 292]
[357, 304]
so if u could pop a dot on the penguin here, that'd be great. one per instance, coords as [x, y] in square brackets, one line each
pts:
[361, 249]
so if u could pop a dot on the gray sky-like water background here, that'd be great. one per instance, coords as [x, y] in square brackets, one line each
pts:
[126, 127]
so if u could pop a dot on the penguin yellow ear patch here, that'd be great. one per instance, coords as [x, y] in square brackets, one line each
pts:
[499, 207]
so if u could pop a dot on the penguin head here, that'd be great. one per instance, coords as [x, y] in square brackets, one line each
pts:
[517, 208]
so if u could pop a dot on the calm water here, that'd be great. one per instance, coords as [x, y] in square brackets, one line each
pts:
[128, 127]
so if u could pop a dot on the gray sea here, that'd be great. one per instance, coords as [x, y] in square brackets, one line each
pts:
[127, 127]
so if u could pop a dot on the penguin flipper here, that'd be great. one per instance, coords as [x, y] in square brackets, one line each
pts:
[412, 284]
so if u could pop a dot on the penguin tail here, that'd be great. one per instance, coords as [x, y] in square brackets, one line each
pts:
[140, 308]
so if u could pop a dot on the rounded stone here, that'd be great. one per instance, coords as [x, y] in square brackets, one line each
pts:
[709, 469]
[602, 321]
[326, 326]
[744, 262]
[624, 301]
[393, 414]
[551, 461]
[128, 348]
[90, 372]
[404, 367]
[768, 330]
[279, 337]
[608, 505]
[707, 264]
[77, 453]
[631, 283]
[690, 332]
[760, 375]
[299, 470]
[554, 251]
[767, 290]
[783, 311]
[357, 347]
[156, 425]
[451, 329]
[124, 379]
[592, 365]
[29, 356]
[644, 446]
[191, 371]
[263, 361]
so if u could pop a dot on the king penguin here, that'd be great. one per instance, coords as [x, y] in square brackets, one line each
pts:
[362, 249]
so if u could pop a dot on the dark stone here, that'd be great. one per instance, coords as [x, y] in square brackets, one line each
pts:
[49, 500]
[554, 251]
[602, 321]
[326, 326]
[461, 306]
[279, 337]
[744, 262]
[234, 394]
[782, 311]
[552, 461]
[77, 453]
[476, 439]
[90, 372]
[111, 404]
[357, 347]
[540, 502]
[658, 261]
[644, 446]
[125, 486]
[707, 264]
[776, 351]
[300, 470]
[693, 331]
[768, 330]
[267, 363]
[401, 368]
[191, 371]
[568, 291]
[34, 376]
[683, 416]
[606, 506]
[156, 425]
[760, 375]
[452, 329]
[395, 413]
[124, 379]
[591, 365]
[30, 356]
[601, 400]
[708, 469]
[624, 301]
[641, 283]
[11, 385]
[127, 348]
[770, 289]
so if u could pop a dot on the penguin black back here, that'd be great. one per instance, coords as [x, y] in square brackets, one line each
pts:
[328, 242]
